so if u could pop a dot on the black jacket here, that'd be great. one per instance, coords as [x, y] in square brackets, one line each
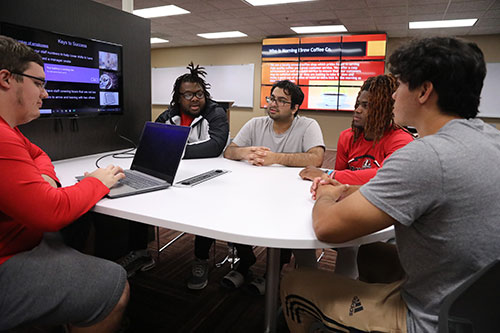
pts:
[209, 131]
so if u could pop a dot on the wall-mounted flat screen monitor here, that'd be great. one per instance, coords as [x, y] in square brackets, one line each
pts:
[84, 76]
[329, 69]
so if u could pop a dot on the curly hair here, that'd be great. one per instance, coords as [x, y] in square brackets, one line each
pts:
[455, 67]
[380, 117]
[196, 75]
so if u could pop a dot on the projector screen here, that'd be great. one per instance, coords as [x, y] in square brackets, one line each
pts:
[329, 70]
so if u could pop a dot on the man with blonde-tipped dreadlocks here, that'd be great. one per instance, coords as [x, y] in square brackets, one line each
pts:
[362, 150]
[373, 136]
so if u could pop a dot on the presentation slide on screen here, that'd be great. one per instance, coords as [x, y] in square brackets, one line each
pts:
[329, 70]
[321, 98]
[321, 73]
[82, 75]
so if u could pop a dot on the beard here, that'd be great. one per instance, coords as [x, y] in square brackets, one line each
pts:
[191, 113]
[273, 116]
[188, 111]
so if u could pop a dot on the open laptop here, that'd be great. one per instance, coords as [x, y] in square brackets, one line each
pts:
[156, 160]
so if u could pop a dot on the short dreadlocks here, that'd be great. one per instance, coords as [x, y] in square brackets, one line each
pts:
[196, 75]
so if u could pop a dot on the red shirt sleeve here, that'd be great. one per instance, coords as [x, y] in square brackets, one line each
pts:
[40, 158]
[27, 199]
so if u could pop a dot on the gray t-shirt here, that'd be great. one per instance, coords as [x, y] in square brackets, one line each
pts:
[444, 191]
[303, 134]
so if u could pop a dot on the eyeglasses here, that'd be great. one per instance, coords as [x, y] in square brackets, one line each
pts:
[189, 95]
[39, 82]
[280, 102]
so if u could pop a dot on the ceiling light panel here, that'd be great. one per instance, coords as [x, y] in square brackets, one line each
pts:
[442, 24]
[226, 34]
[319, 29]
[156, 40]
[161, 11]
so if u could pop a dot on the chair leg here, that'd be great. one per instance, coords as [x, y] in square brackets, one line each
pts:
[322, 254]
[159, 250]
[233, 260]
[157, 230]
[231, 257]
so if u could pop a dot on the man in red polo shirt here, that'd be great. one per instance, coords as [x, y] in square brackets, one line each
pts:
[43, 281]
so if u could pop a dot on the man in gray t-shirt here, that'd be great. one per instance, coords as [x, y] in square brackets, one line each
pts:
[281, 138]
[439, 192]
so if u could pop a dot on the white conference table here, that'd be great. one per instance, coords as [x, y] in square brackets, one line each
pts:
[263, 206]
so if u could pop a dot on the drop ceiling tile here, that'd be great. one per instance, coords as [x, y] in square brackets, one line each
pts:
[426, 2]
[388, 26]
[389, 11]
[365, 27]
[246, 12]
[484, 30]
[425, 17]
[311, 17]
[492, 13]
[309, 6]
[276, 29]
[391, 19]
[358, 21]
[464, 15]
[167, 20]
[488, 22]
[349, 13]
[257, 20]
[198, 6]
[190, 18]
[427, 9]
[225, 4]
[216, 15]
[382, 3]
[347, 4]
[277, 9]
[468, 6]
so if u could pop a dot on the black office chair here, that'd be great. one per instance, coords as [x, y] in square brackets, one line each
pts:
[474, 307]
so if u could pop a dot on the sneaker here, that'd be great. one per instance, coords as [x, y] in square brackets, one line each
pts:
[258, 286]
[140, 260]
[199, 274]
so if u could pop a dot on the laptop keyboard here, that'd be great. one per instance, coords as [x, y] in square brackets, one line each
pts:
[202, 177]
[137, 181]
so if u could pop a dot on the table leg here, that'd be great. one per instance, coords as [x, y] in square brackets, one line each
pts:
[272, 284]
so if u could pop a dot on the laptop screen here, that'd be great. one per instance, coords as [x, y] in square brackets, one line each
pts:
[160, 150]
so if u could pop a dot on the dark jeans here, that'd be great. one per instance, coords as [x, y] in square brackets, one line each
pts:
[113, 237]
[245, 253]
[379, 263]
